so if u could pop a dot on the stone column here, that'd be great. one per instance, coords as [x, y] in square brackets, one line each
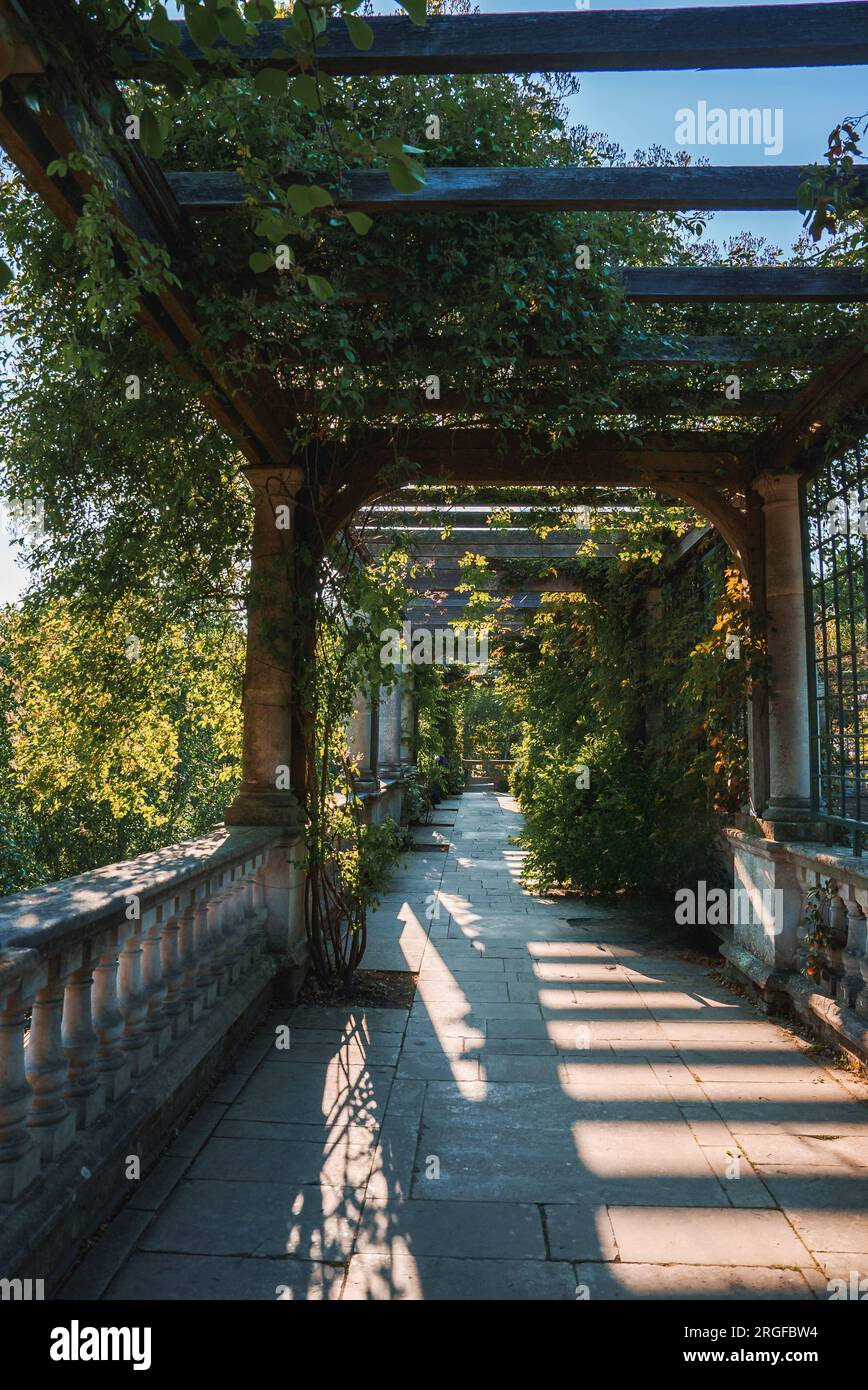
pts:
[390, 731]
[407, 718]
[788, 811]
[359, 740]
[265, 797]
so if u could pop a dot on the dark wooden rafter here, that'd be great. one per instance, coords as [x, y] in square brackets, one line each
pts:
[736, 188]
[380, 405]
[755, 36]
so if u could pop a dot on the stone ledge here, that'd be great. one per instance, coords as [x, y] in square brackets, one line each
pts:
[41, 1235]
[786, 992]
[809, 853]
[48, 916]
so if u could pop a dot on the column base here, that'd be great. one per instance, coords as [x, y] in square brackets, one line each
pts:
[391, 772]
[788, 818]
[258, 805]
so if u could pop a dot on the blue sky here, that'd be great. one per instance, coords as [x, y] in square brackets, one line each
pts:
[639, 109]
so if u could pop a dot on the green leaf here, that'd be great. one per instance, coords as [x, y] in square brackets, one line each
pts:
[270, 82]
[299, 198]
[360, 32]
[416, 9]
[360, 222]
[319, 288]
[232, 26]
[320, 197]
[151, 134]
[261, 262]
[6, 275]
[303, 89]
[57, 169]
[161, 28]
[389, 145]
[403, 176]
[272, 225]
[203, 26]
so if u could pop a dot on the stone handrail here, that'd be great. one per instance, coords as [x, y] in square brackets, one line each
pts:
[112, 969]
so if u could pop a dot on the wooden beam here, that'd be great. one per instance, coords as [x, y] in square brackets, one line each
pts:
[489, 456]
[677, 350]
[745, 285]
[699, 404]
[750, 188]
[734, 36]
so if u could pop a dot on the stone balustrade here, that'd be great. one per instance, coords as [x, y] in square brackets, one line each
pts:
[771, 954]
[103, 977]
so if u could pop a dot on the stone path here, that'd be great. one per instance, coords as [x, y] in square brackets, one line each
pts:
[565, 1106]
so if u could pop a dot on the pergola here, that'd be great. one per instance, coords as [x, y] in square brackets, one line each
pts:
[744, 480]
[130, 1014]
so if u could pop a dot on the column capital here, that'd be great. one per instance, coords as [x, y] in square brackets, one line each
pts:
[289, 476]
[777, 489]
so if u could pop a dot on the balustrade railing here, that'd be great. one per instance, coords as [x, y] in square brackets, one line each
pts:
[102, 975]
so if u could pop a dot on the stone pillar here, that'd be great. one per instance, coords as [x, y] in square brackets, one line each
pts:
[390, 731]
[407, 718]
[359, 740]
[265, 797]
[788, 811]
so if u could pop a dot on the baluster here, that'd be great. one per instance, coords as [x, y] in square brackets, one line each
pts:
[136, 1041]
[84, 1090]
[260, 911]
[236, 929]
[250, 921]
[157, 1024]
[173, 971]
[221, 936]
[834, 967]
[51, 1121]
[190, 996]
[206, 943]
[852, 955]
[112, 1062]
[19, 1156]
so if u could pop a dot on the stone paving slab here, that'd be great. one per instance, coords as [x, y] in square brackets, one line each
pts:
[406, 1278]
[244, 1217]
[235, 1278]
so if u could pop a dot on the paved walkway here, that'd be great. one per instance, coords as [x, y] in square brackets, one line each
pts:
[569, 1104]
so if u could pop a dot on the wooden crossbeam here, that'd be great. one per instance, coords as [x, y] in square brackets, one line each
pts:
[749, 36]
[679, 350]
[745, 285]
[488, 456]
[696, 405]
[750, 188]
